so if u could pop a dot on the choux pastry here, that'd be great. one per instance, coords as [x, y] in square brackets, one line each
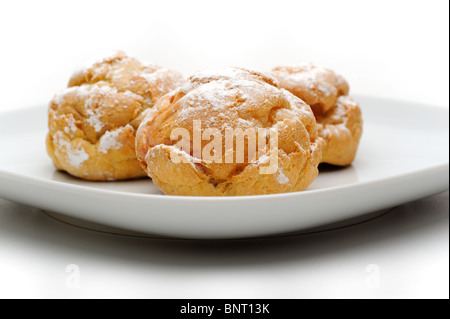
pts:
[213, 104]
[339, 117]
[93, 123]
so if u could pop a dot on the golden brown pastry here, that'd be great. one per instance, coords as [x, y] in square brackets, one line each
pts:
[223, 101]
[341, 128]
[93, 123]
[339, 118]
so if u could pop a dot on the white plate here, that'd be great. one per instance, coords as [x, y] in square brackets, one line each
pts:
[404, 156]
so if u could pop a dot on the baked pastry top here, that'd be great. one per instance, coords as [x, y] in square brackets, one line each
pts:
[339, 117]
[319, 87]
[92, 124]
[214, 103]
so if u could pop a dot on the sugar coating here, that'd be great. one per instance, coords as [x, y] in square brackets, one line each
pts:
[100, 111]
[282, 179]
[71, 126]
[75, 156]
[109, 140]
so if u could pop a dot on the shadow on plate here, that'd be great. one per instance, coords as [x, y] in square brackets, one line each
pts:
[327, 168]
[30, 227]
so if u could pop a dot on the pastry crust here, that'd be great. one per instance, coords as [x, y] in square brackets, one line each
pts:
[92, 124]
[317, 86]
[341, 128]
[231, 98]
[339, 117]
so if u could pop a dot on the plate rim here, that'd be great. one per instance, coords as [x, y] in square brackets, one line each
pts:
[441, 168]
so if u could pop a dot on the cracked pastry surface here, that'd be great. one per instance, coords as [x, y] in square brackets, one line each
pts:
[93, 123]
[339, 117]
[341, 128]
[230, 99]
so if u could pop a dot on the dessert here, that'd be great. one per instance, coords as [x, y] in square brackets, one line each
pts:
[211, 105]
[93, 123]
[339, 117]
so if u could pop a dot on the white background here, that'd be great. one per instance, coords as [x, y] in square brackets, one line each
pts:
[397, 49]
[393, 48]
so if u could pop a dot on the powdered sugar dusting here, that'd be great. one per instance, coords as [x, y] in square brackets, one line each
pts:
[346, 100]
[132, 95]
[214, 96]
[92, 94]
[76, 157]
[218, 90]
[60, 98]
[229, 73]
[117, 74]
[215, 93]
[282, 179]
[326, 89]
[94, 120]
[110, 140]
[172, 79]
[309, 76]
[71, 127]
[86, 92]
[306, 80]
[327, 131]
[335, 124]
